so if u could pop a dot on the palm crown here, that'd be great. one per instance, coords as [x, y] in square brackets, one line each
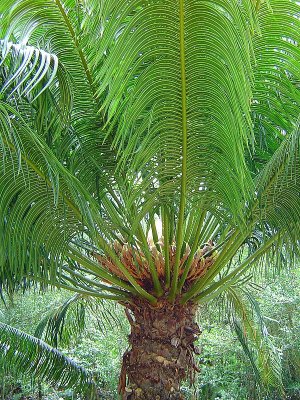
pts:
[119, 116]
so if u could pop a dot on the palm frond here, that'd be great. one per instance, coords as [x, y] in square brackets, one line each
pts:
[278, 189]
[236, 267]
[248, 324]
[32, 194]
[74, 141]
[123, 112]
[65, 323]
[38, 188]
[276, 92]
[25, 67]
[35, 358]
[32, 225]
[48, 27]
[158, 117]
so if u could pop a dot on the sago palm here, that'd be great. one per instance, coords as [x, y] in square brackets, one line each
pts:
[149, 155]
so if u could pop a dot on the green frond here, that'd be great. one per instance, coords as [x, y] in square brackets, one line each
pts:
[43, 207]
[249, 326]
[52, 28]
[142, 55]
[114, 112]
[33, 357]
[277, 186]
[25, 67]
[34, 230]
[234, 269]
[276, 93]
[64, 324]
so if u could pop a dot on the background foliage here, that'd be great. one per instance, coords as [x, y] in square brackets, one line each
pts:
[226, 372]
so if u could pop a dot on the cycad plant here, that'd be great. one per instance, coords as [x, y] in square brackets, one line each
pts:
[149, 155]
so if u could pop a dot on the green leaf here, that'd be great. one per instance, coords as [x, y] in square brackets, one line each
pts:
[35, 358]
[254, 338]
[65, 323]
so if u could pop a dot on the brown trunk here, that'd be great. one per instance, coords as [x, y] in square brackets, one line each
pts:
[162, 349]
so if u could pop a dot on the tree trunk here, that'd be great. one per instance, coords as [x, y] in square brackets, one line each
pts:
[162, 350]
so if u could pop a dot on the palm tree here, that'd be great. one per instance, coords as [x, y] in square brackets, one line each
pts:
[150, 156]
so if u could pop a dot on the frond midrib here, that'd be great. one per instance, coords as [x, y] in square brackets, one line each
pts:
[179, 238]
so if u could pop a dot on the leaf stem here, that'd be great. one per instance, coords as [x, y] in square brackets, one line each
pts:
[166, 234]
[77, 45]
[193, 250]
[93, 282]
[231, 278]
[180, 223]
[222, 258]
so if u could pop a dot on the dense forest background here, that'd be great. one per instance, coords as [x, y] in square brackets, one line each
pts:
[227, 370]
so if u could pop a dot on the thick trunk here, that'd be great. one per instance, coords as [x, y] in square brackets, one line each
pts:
[162, 349]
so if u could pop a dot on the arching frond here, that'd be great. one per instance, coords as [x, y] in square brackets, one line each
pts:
[276, 92]
[278, 188]
[34, 357]
[249, 326]
[38, 182]
[46, 27]
[65, 323]
[38, 217]
[170, 90]
[177, 111]
[25, 67]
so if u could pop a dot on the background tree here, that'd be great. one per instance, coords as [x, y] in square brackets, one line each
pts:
[119, 119]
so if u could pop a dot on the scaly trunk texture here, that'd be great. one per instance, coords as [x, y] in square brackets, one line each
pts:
[162, 350]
